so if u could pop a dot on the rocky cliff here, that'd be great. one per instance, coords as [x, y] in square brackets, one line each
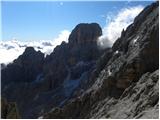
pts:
[127, 84]
[47, 82]
[79, 80]
[9, 110]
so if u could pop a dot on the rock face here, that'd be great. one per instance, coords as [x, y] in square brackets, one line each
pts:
[121, 87]
[78, 80]
[139, 100]
[25, 68]
[85, 33]
[79, 51]
[44, 83]
[8, 110]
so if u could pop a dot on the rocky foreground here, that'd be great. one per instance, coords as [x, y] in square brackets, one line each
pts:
[80, 80]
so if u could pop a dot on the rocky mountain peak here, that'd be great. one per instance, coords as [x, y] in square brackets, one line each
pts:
[30, 55]
[85, 33]
[78, 80]
[127, 81]
[63, 73]
[30, 50]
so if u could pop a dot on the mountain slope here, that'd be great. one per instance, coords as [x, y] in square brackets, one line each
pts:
[79, 80]
[44, 83]
[8, 110]
[139, 100]
[135, 54]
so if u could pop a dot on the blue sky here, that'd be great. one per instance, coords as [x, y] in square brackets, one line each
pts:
[28, 21]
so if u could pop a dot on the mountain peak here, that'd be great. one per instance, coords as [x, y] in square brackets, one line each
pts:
[79, 80]
[85, 33]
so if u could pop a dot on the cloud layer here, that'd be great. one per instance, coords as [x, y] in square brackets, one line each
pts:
[116, 24]
[10, 50]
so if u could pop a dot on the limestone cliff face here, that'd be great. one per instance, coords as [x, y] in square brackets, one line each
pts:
[138, 101]
[78, 80]
[82, 44]
[25, 68]
[85, 33]
[9, 110]
[63, 74]
[120, 89]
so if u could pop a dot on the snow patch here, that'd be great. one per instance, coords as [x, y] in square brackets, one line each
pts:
[116, 52]
[135, 40]
[109, 72]
[70, 85]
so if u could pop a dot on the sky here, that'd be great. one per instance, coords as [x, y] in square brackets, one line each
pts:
[44, 25]
[34, 21]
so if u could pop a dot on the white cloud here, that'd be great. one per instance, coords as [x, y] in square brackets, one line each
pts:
[61, 3]
[116, 24]
[10, 50]
[63, 36]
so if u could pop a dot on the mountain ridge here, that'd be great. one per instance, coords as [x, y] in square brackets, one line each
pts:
[67, 68]
[80, 80]
[128, 64]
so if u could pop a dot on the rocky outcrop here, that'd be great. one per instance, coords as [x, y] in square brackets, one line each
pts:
[140, 100]
[133, 55]
[82, 43]
[25, 68]
[9, 110]
[78, 80]
[19, 78]
[85, 33]
[53, 80]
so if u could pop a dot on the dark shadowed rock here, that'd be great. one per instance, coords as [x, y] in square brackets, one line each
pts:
[9, 110]
[55, 79]
[133, 55]
[85, 33]
[78, 80]
[82, 44]
[25, 68]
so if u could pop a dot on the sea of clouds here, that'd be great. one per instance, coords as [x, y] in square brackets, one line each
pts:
[10, 50]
